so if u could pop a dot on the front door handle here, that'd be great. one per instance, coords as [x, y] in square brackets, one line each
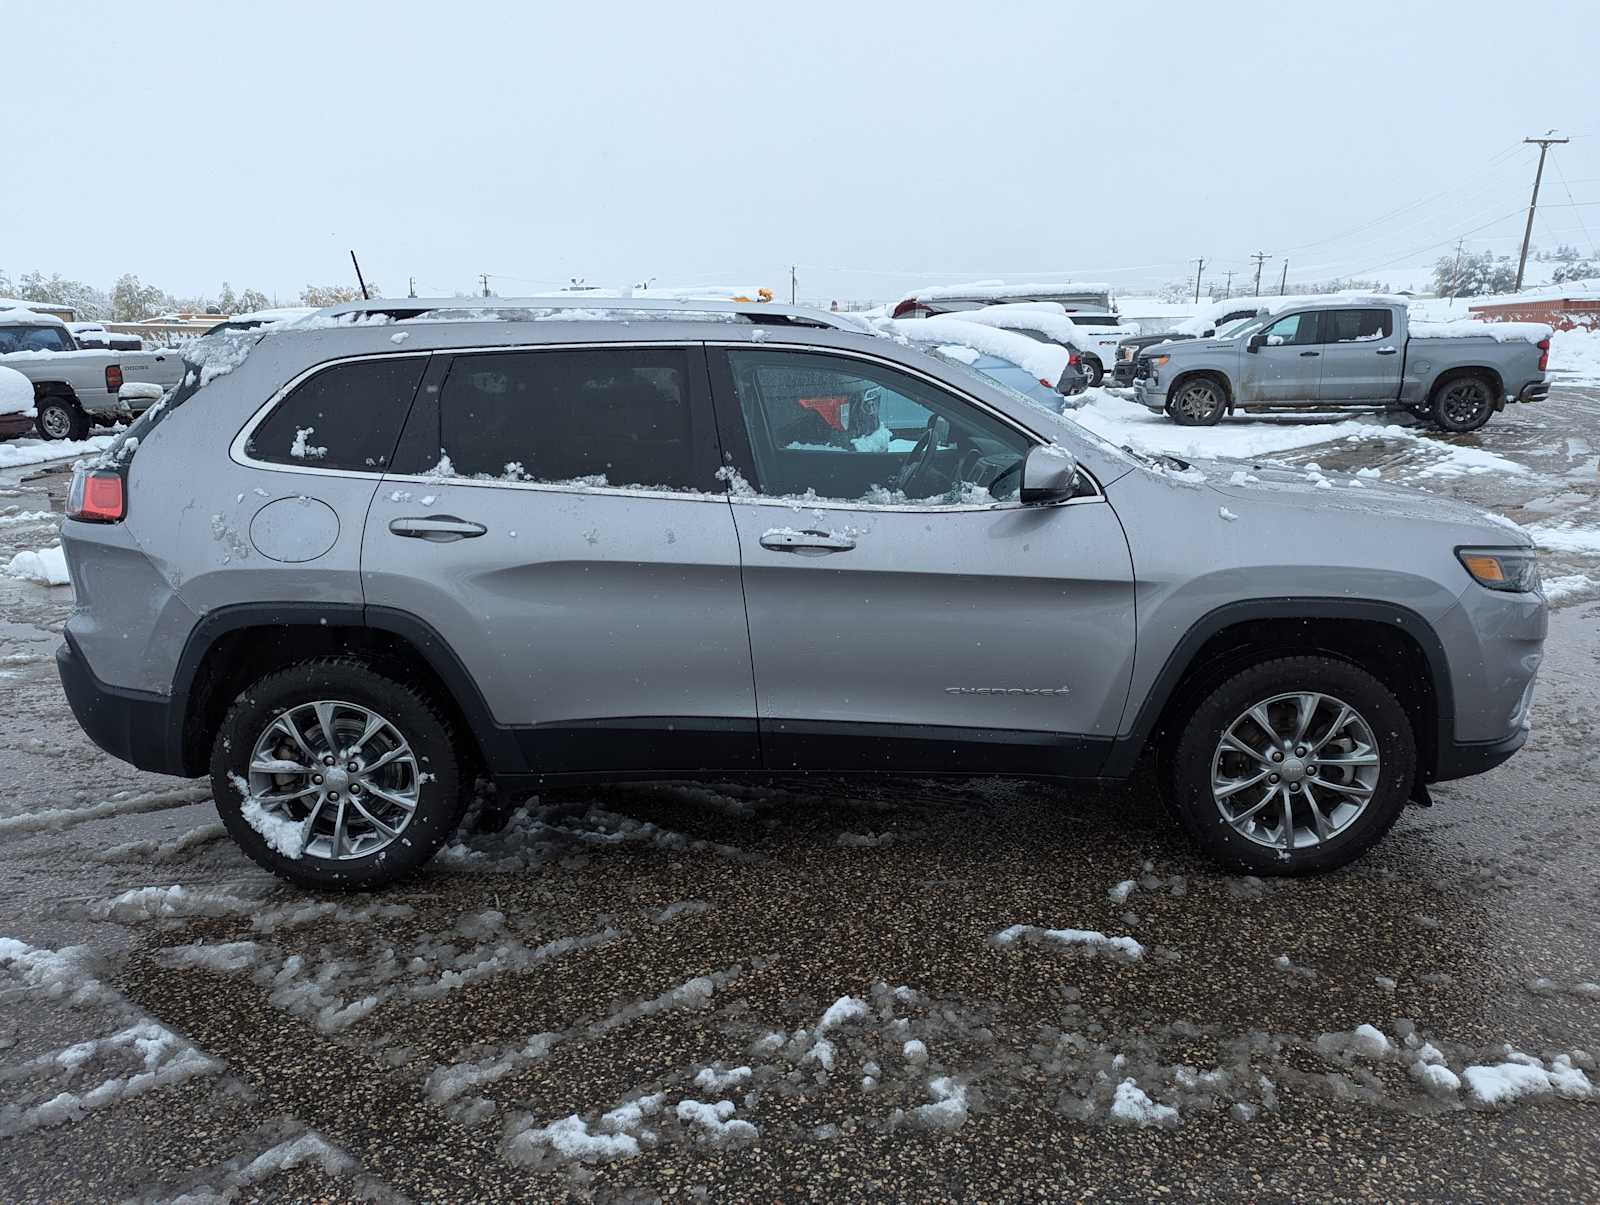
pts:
[1311, 353]
[440, 529]
[1387, 351]
[806, 543]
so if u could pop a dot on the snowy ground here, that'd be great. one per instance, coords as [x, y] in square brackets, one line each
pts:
[824, 990]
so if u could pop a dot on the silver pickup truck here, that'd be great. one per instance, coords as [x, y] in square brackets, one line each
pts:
[1348, 353]
[73, 387]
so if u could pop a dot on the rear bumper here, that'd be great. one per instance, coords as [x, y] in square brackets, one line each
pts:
[139, 728]
[1534, 391]
[14, 424]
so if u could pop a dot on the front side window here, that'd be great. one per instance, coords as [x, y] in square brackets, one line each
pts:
[855, 431]
[1357, 326]
[1293, 330]
[617, 417]
[345, 417]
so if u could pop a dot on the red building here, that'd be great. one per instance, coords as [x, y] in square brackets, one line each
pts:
[1564, 309]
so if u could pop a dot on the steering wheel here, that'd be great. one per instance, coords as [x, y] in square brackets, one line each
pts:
[920, 457]
[1013, 470]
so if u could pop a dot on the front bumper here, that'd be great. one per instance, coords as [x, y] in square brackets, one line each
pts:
[145, 730]
[1122, 372]
[1149, 392]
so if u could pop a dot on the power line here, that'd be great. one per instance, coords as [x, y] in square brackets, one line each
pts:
[1593, 249]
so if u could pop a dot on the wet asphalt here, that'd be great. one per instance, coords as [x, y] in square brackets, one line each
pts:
[1473, 927]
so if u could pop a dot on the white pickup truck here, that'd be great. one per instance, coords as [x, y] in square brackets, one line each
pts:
[74, 387]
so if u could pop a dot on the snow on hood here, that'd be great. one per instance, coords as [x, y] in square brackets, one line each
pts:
[1042, 361]
[1471, 328]
[1052, 322]
[20, 317]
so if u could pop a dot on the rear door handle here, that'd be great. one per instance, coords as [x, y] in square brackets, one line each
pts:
[1387, 351]
[1311, 353]
[440, 529]
[806, 543]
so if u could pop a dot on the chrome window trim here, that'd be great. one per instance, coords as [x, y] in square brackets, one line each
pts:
[237, 453]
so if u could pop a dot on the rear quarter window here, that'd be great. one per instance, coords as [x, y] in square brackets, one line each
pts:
[347, 416]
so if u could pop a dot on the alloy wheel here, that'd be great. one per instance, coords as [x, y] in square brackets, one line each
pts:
[57, 423]
[1295, 770]
[1463, 401]
[1196, 402]
[341, 772]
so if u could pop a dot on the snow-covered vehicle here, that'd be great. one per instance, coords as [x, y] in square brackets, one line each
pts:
[91, 335]
[1026, 357]
[256, 319]
[16, 403]
[75, 387]
[1072, 297]
[1348, 352]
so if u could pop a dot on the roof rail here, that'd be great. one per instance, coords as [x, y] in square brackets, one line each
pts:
[520, 309]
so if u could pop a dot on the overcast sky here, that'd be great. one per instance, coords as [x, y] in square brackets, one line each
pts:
[878, 146]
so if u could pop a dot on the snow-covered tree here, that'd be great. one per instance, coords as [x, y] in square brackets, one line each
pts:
[1473, 275]
[134, 301]
[86, 300]
[252, 300]
[320, 295]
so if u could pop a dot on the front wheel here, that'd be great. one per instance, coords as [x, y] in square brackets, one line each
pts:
[61, 418]
[1463, 404]
[1197, 403]
[1095, 371]
[1293, 766]
[334, 776]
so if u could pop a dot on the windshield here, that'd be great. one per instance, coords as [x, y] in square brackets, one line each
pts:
[1238, 327]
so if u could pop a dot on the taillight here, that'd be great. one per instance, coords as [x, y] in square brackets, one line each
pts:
[1072, 358]
[97, 496]
[113, 377]
[1544, 354]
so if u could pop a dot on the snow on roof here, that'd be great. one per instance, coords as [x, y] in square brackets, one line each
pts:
[1209, 314]
[15, 303]
[1475, 328]
[1052, 322]
[17, 317]
[1043, 361]
[287, 313]
[999, 290]
[1586, 290]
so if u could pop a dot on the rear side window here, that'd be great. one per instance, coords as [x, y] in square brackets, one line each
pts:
[33, 338]
[594, 416]
[345, 417]
[1356, 326]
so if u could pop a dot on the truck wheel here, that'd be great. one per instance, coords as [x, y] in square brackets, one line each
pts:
[1198, 402]
[1095, 371]
[1293, 766]
[1462, 403]
[61, 418]
[336, 777]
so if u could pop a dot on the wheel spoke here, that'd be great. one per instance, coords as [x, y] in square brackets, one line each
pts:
[308, 823]
[1350, 759]
[1338, 724]
[1324, 829]
[1347, 788]
[388, 834]
[388, 757]
[1238, 746]
[338, 832]
[277, 765]
[286, 725]
[1307, 705]
[1238, 819]
[1258, 713]
[275, 798]
[1234, 786]
[1286, 819]
[375, 723]
[399, 801]
[325, 721]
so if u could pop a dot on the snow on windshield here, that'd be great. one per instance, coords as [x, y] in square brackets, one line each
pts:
[1042, 361]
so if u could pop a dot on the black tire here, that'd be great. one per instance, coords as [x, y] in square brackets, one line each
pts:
[418, 721]
[1462, 403]
[1190, 759]
[60, 417]
[1094, 370]
[1197, 402]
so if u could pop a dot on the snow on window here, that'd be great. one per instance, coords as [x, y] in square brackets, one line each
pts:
[301, 450]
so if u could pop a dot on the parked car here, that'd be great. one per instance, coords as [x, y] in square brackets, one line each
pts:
[74, 388]
[358, 572]
[1090, 338]
[1042, 363]
[16, 403]
[88, 335]
[1348, 353]
[950, 299]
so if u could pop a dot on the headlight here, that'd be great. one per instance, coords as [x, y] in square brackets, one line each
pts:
[1159, 361]
[1515, 570]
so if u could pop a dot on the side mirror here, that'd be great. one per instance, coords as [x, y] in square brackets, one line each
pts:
[1049, 474]
[1257, 342]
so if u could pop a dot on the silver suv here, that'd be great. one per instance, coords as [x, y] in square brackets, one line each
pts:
[355, 563]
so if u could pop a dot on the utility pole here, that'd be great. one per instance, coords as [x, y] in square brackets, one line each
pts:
[1455, 271]
[1200, 266]
[1283, 281]
[1544, 145]
[1227, 289]
[484, 277]
[791, 284]
[413, 286]
[1260, 257]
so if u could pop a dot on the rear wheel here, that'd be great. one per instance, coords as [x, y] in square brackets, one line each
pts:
[61, 418]
[334, 776]
[1463, 403]
[1197, 402]
[1095, 371]
[1293, 766]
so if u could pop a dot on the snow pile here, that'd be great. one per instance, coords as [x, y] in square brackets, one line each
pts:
[714, 1079]
[1130, 1106]
[1522, 1076]
[282, 835]
[1055, 325]
[47, 566]
[1042, 361]
[163, 903]
[123, 803]
[1119, 421]
[1575, 354]
[716, 1123]
[570, 1139]
[949, 1108]
[1567, 538]
[1093, 939]
[1558, 589]
[1464, 461]
[1471, 328]
[18, 452]
[16, 392]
